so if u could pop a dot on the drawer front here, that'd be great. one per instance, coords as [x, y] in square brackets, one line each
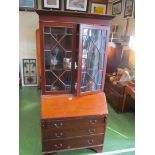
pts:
[48, 133]
[86, 141]
[73, 123]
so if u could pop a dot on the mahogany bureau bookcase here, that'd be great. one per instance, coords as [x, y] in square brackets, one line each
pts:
[73, 49]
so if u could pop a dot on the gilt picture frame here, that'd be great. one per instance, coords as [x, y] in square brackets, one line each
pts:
[97, 8]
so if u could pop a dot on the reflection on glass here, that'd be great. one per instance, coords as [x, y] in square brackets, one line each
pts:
[47, 30]
[67, 43]
[57, 30]
[92, 59]
[87, 83]
[47, 60]
[49, 42]
[50, 78]
[58, 58]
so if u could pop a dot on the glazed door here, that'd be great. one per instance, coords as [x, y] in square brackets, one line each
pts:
[92, 58]
[57, 57]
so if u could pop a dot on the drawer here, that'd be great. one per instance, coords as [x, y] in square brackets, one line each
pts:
[48, 133]
[85, 141]
[72, 123]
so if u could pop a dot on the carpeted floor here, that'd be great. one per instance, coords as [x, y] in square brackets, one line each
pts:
[120, 132]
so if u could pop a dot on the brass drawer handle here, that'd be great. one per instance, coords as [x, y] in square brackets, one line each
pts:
[58, 135]
[58, 146]
[58, 125]
[90, 141]
[91, 131]
[93, 121]
[43, 124]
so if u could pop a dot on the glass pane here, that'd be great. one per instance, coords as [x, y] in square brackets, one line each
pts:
[58, 58]
[58, 30]
[87, 83]
[55, 87]
[47, 29]
[66, 43]
[102, 49]
[49, 42]
[85, 79]
[50, 78]
[92, 73]
[58, 37]
[96, 36]
[97, 78]
[92, 59]
[66, 78]
[99, 86]
[47, 59]
[69, 31]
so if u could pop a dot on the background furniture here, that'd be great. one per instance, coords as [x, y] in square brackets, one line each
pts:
[117, 57]
[73, 63]
[117, 95]
[114, 93]
[129, 90]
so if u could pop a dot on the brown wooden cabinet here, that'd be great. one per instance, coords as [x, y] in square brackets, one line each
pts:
[70, 122]
[38, 57]
[73, 64]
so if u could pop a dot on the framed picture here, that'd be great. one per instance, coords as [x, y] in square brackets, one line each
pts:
[28, 5]
[76, 5]
[29, 72]
[97, 8]
[129, 6]
[117, 7]
[51, 4]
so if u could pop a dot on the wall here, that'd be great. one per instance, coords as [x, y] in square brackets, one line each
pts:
[28, 23]
[119, 19]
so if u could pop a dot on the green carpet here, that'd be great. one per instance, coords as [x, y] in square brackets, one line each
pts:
[119, 133]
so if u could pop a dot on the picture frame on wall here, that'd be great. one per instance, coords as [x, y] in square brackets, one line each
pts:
[29, 72]
[76, 5]
[28, 5]
[129, 7]
[117, 7]
[51, 4]
[97, 8]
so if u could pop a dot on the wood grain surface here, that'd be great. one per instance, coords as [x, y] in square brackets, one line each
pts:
[60, 106]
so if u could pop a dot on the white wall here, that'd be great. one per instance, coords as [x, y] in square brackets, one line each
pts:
[28, 23]
[119, 20]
